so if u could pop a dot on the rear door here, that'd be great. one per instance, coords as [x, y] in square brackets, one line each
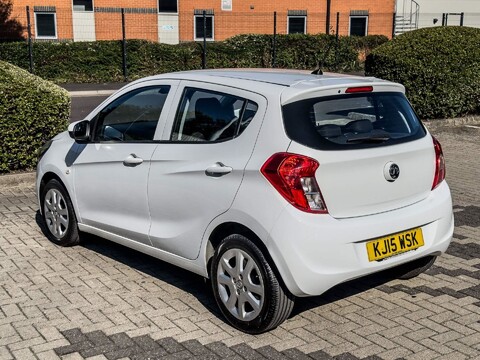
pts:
[198, 167]
[374, 154]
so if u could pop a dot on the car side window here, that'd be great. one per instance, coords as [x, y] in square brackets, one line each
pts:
[133, 116]
[210, 116]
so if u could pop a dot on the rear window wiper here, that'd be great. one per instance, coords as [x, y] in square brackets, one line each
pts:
[368, 137]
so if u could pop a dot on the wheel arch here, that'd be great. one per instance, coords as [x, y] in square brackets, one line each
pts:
[228, 228]
[50, 175]
[46, 177]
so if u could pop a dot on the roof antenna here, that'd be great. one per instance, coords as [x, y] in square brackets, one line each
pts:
[317, 71]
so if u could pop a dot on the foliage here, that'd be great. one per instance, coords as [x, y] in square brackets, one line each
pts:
[365, 44]
[32, 111]
[440, 67]
[10, 29]
[101, 61]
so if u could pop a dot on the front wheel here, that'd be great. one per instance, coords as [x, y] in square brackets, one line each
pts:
[246, 288]
[58, 215]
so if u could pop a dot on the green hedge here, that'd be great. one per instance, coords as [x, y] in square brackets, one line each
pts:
[440, 67]
[101, 61]
[32, 111]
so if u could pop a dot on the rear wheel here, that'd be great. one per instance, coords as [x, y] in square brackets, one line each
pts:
[246, 288]
[58, 215]
[414, 268]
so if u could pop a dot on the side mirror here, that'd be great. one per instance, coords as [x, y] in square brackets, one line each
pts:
[80, 131]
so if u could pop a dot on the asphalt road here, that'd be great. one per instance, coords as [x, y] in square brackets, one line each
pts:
[86, 97]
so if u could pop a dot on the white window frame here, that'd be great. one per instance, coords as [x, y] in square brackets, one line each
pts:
[195, 38]
[37, 36]
[84, 11]
[356, 17]
[225, 4]
[165, 12]
[297, 16]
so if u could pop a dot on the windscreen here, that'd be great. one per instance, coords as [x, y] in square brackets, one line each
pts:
[352, 121]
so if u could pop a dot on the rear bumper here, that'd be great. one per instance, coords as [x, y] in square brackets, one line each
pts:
[315, 252]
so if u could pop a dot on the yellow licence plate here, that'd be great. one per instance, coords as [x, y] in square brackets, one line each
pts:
[394, 244]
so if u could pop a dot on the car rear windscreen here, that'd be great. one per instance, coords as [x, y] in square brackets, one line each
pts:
[352, 121]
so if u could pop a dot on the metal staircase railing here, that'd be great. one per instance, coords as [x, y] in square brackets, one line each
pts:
[407, 15]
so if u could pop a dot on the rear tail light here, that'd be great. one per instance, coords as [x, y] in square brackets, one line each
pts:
[440, 169]
[293, 176]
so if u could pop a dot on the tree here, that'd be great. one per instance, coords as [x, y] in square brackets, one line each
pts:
[10, 29]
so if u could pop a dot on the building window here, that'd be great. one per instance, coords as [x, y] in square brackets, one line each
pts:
[209, 21]
[297, 24]
[45, 25]
[82, 5]
[226, 5]
[167, 6]
[359, 25]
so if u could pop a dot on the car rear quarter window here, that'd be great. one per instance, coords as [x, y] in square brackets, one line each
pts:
[352, 121]
[210, 116]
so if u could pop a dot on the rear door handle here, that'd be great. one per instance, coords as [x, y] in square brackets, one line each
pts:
[132, 160]
[218, 169]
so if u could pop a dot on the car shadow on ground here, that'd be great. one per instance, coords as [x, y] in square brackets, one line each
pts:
[200, 288]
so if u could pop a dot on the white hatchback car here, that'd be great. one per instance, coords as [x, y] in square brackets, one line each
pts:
[272, 184]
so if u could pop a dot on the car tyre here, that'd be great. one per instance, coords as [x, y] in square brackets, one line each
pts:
[246, 288]
[414, 268]
[58, 215]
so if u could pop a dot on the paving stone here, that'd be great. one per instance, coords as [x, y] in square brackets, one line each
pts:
[320, 355]
[246, 352]
[221, 349]
[123, 353]
[24, 354]
[98, 338]
[75, 336]
[98, 350]
[196, 348]
[295, 354]
[76, 347]
[104, 301]
[122, 340]
[170, 345]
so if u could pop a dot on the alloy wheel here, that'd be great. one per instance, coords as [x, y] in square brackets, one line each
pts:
[56, 213]
[240, 284]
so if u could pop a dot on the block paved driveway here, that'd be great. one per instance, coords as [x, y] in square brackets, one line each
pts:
[101, 300]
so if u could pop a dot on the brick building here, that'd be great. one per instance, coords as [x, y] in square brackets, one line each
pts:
[173, 21]
[226, 18]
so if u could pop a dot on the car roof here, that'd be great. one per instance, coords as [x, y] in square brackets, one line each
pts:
[276, 81]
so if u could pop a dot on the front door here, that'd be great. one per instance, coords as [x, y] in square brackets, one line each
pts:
[198, 167]
[111, 171]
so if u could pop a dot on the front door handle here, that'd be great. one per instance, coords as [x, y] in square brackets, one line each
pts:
[132, 160]
[218, 169]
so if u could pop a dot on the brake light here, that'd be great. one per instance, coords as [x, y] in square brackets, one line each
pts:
[293, 176]
[440, 169]
[359, 89]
